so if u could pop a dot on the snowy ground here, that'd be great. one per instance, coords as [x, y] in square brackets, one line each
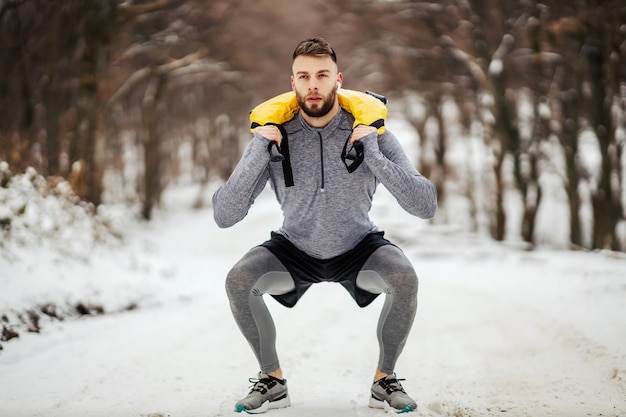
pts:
[500, 331]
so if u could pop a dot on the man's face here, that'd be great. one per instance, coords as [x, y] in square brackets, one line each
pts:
[315, 80]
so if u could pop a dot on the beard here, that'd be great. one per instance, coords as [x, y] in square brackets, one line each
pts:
[318, 110]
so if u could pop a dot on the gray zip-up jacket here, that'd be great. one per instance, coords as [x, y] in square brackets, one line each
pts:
[326, 210]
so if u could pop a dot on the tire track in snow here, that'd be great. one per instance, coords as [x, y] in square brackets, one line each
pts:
[488, 353]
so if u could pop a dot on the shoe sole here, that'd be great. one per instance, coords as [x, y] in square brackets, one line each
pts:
[384, 405]
[267, 405]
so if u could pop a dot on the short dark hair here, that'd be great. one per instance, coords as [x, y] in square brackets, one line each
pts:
[315, 47]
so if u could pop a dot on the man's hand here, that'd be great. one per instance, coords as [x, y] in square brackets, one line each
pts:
[360, 132]
[270, 132]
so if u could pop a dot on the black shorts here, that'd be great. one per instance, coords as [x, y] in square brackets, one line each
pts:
[307, 270]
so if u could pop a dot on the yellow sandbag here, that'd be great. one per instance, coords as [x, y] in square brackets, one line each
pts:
[366, 109]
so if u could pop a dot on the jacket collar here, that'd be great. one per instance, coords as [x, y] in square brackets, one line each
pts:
[340, 121]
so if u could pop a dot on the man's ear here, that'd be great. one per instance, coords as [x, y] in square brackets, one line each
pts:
[339, 80]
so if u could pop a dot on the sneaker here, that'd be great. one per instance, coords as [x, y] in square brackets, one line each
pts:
[266, 393]
[388, 393]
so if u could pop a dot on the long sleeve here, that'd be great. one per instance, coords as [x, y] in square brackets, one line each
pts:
[234, 198]
[385, 157]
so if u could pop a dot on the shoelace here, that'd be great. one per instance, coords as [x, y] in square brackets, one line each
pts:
[261, 385]
[392, 385]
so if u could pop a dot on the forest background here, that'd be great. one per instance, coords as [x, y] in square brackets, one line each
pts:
[518, 107]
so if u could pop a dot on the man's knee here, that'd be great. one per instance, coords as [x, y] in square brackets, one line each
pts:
[244, 273]
[395, 267]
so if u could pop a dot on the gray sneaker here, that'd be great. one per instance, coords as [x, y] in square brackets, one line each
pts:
[388, 393]
[266, 393]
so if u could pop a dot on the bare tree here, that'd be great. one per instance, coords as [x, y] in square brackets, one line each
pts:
[59, 101]
[603, 55]
[182, 74]
[588, 95]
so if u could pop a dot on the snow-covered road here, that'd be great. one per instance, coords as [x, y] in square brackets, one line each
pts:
[500, 331]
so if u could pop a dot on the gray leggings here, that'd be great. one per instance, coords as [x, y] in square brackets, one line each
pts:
[259, 272]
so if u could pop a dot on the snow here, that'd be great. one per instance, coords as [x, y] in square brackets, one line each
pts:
[495, 67]
[500, 331]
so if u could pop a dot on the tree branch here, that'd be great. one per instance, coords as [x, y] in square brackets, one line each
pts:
[132, 10]
[139, 76]
[470, 61]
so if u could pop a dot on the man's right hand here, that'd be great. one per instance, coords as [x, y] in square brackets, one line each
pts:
[269, 132]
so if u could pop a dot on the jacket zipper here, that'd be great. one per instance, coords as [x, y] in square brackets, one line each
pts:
[321, 159]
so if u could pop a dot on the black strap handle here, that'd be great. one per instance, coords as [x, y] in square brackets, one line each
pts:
[355, 154]
[281, 154]
[275, 155]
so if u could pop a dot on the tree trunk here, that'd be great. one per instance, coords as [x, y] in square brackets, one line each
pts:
[96, 25]
[506, 134]
[569, 142]
[498, 224]
[86, 176]
[602, 56]
[151, 147]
